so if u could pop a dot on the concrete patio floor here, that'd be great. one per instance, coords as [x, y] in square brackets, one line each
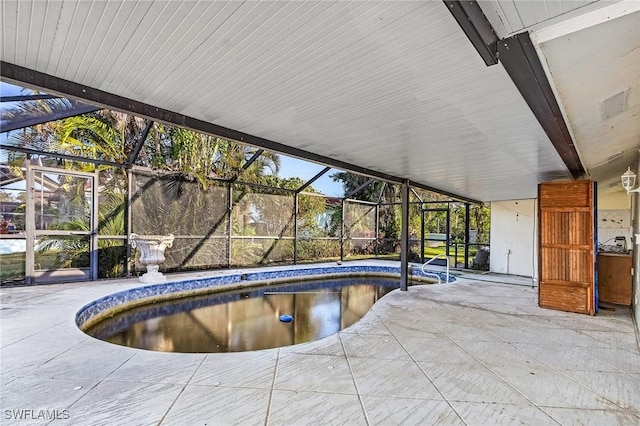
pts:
[472, 352]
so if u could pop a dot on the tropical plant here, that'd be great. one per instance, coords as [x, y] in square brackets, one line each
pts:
[42, 136]
[378, 192]
[189, 154]
[232, 159]
[480, 219]
[191, 162]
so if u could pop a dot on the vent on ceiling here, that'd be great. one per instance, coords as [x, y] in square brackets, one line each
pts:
[614, 105]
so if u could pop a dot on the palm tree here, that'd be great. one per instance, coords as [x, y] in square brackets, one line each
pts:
[41, 136]
[190, 156]
[233, 156]
[187, 153]
[104, 135]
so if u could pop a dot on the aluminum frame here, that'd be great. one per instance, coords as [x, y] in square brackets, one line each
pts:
[30, 226]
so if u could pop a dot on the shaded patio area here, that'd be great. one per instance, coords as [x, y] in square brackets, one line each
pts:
[477, 351]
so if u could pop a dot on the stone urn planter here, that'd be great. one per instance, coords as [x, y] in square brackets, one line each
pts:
[151, 254]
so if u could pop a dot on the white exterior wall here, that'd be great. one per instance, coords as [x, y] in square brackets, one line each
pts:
[634, 202]
[513, 237]
[614, 218]
[622, 214]
[614, 201]
[514, 227]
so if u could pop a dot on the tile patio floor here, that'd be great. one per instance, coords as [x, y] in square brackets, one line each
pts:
[470, 352]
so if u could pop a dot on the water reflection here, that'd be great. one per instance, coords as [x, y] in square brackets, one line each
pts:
[246, 320]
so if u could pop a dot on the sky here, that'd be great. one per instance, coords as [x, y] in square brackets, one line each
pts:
[7, 89]
[292, 167]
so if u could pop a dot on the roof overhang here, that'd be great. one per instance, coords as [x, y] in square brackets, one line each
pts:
[390, 89]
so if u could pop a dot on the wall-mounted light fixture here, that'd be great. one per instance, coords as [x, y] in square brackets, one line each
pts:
[629, 181]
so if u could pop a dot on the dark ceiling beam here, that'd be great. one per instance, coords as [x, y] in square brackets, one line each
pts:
[22, 98]
[11, 125]
[41, 81]
[520, 60]
[477, 27]
[67, 88]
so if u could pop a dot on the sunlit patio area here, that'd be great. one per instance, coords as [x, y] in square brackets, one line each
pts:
[476, 351]
[154, 151]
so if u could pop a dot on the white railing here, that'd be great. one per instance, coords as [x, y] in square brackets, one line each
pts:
[433, 274]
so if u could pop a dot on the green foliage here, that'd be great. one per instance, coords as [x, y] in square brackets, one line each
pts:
[190, 154]
[12, 266]
[169, 204]
[73, 252]
[232, 159]
[318, 250]
[480, 219]
[87, 136]
[183, 198]
[6, 196]
[390, 215]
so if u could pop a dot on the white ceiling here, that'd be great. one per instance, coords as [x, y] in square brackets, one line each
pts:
[591, 59]
[393, 86]
[509, 17]
[591, 51]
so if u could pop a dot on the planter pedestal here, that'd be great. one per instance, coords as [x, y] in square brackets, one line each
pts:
[151, 254]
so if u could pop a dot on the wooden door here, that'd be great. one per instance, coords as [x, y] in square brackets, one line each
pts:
[567, 246]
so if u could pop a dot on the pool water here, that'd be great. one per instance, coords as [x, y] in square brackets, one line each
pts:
[246, 320]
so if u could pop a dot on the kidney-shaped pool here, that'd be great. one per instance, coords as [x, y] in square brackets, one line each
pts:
[246, 320]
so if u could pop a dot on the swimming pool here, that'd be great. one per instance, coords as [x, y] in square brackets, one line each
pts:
[244, 320]
[147, 302]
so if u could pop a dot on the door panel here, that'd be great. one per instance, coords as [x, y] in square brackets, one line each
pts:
[62, 201]
[61, 237]
[567, 246]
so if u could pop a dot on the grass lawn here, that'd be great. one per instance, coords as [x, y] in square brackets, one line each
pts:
[12, 264]
[430, 252]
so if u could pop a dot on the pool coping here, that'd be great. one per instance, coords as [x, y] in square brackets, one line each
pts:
[408, 360]
[111, 304]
